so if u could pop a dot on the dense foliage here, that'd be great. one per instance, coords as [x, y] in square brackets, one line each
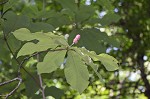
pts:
[40, 58]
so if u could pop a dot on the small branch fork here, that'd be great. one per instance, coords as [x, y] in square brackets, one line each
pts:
[19, 78]
[39, 83]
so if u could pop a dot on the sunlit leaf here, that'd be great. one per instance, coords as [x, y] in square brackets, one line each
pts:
[76, 72]
[51, 61]
[109, 62]
[93, 66]
[30, 48]
[23, 34]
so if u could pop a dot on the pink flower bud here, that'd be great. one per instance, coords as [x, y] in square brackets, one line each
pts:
[76, 39]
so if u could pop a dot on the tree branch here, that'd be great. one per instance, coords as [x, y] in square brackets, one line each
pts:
[14, 90]
[41, 83]
[21, 64]
[42, 88]
[7, 82]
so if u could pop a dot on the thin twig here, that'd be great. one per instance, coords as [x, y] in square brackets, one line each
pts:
[21, 66]
[42, 88]
[35, 54]
[9, 81]
[24, 60]
[14, 90]
[41, 83]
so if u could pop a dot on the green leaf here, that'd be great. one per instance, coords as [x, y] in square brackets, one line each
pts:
[68, 4]
[14, 22]
[92, 21]
[45, 14]
[84, 13]
[91, 39]
[40, 26]
[60, 40]
[14, 43]
[53, 91]
[115, 42]
[109, 18]
[89, 62]
[9, 4]
[30, 11]
[45, 41]
[106, 20]
[23, 34]
[109, 62]
[68, 12]
[30, 48]
[90, 54]
[58, 20]
[76, 72]
[4, 52]
[51, 61]
[106, 4]
[30, 89]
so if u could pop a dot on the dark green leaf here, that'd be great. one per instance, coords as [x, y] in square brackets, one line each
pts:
[91, 39]
[68, 4]
[53, 91]
[30, 11]
[40, 26]
[59, 20]
[14, 43]
[31, 87]
[109, 18]
[84, 13]
[9, 4]
[106, 4]
[14, 22]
